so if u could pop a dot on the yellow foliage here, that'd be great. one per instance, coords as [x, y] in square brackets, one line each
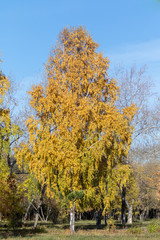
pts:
[77, 135]
[4, 86]
[4, 119]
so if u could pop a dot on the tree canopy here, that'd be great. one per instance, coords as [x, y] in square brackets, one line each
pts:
[77, 135]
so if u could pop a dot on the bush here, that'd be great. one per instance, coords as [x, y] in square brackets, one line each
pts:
[15, 218]
[11, 202]
[153, 227]
[111, 224]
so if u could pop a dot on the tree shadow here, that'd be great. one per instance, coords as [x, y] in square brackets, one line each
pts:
[28, 231]
[6, 232]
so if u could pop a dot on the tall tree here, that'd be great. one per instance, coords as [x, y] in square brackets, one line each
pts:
[77, 135]
[136, 88]
[9, 133]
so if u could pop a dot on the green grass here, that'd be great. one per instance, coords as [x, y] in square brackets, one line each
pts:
[85, 230]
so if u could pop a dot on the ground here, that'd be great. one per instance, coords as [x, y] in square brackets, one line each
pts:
[85, 230]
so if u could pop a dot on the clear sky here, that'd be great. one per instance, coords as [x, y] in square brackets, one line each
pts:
[128, 32]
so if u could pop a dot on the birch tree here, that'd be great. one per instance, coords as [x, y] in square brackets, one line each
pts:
[77, 135]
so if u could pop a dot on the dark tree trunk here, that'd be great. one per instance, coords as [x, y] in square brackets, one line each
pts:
[98, 218]
[123, 206]
[105, 219]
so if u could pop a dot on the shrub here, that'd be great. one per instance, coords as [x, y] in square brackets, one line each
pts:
[153, 227]
[111, 224]
[15, 218]
[11, 202]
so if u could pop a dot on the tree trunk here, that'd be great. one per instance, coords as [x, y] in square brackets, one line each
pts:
[80, 216]
[105, 219]
[123, 206]
[119, 217]
[48, 213]
[142, 215]
[130, 212]
[146, 214]
[98, 218]
[36, 220]
[72, 220]
[27, 211]
[39, 206]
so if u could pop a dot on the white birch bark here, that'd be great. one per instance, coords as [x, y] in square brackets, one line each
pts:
[72, 219]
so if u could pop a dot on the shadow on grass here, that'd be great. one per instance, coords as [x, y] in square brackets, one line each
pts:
[29, 232]
[20, 232]
[88, 227]
[136, 224]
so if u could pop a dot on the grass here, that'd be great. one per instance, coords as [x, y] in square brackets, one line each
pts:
[85, 230]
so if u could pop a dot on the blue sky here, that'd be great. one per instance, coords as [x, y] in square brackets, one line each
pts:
[128, 32]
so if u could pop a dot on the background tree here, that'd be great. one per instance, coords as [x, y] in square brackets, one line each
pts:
[147, 170]
[77, 135]
[10, 196]
[123, 175]
[136, 88]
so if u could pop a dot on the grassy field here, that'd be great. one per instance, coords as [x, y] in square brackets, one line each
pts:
[85, 230]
